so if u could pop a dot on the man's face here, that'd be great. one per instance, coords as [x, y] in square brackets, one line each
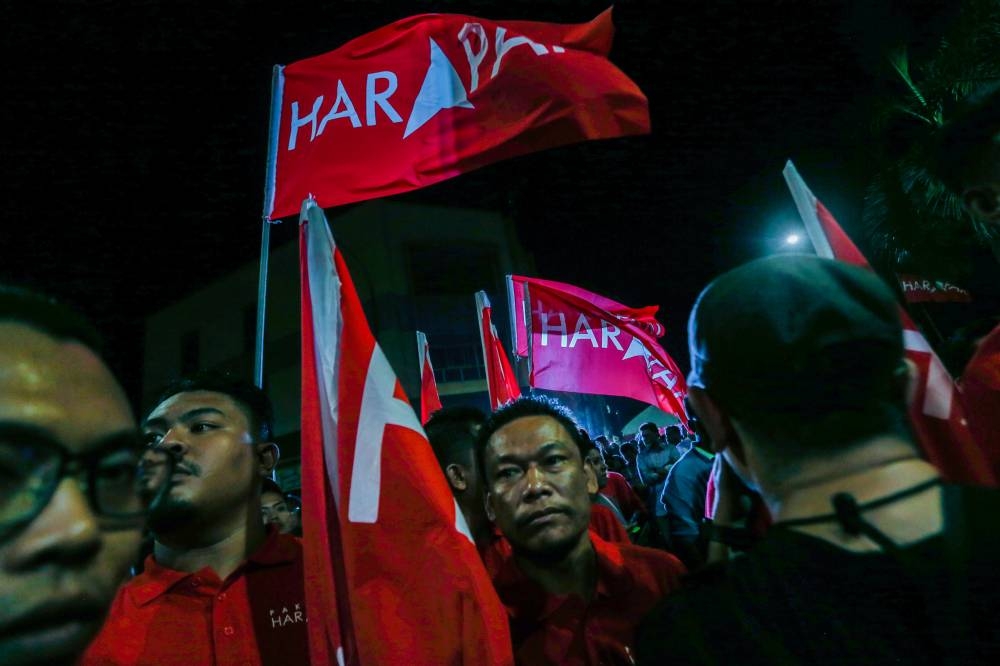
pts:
[274, 509]
[596, 461]
[651, 437]
[59, 573]
[538, 490]
[211, 438]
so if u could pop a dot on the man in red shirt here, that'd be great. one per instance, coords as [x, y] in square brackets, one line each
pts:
[70, 517]
[573, 598]
[219, 588]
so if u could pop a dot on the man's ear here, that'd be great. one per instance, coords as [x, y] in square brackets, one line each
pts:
[268, 455]
[488, 503]
[456, 476]
[592, 486]
[715, 423]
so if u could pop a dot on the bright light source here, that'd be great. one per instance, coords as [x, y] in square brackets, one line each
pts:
[792, 239]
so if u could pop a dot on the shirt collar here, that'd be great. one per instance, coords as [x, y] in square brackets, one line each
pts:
[156, 579]
[526, 599]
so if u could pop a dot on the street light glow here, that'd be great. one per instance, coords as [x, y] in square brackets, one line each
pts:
[792, 239]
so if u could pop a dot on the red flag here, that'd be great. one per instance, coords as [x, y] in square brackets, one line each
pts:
[980, 389]
[392, 574]
[430, 401]
[582, 342]
[500, 378]
[920, 290]
[432, 96]
[937, 413]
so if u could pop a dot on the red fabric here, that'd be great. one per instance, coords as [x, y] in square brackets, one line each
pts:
[980, 388]
[166, 617]
[586, 343]
[500, 378]
[407, 105]
[605, 523]
[621, 492]
[937, 413]
[381, 527]
[430, 401]
[569, 631]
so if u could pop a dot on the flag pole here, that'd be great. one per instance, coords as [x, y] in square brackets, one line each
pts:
[274, 123]
[805, 202]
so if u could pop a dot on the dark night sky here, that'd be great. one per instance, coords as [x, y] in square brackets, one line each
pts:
[135, 134]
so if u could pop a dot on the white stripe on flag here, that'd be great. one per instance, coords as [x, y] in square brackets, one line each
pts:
[940, 389]
[460, 525]
[379, 408]
[324, 292]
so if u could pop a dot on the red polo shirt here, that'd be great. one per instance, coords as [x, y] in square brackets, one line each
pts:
[619, 490]
[256, 616]
[566, 630]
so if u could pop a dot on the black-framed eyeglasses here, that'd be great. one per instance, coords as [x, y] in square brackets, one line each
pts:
[121, 478]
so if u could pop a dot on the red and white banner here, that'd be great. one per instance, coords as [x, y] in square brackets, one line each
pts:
[500, 377]
[921, 290]
[937, 413]
[583, 342]
[430, 401]
[432, 96]
[392, 575]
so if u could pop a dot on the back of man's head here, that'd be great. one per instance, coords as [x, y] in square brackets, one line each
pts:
[452, 434]
[673, 433]
[788, 342]
[251, 398]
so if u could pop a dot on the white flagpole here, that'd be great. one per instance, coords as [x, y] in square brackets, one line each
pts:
[805, 201]
[277, 87]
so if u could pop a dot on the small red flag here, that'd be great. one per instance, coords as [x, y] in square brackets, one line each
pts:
[980, 389]
[500, 378]
[430, 401]
[432, 96]
[583, 342]
[937, 413]
[922, 290]
[392, 574]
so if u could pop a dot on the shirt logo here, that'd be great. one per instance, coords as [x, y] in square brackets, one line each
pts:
[287, 615]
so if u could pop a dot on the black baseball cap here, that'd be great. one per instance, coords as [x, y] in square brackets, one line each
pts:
[796, 333]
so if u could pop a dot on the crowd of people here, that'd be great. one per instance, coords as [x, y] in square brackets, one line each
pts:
[790, 519]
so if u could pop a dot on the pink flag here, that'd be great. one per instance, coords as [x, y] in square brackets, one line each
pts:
[500, 378]
[430, 401]
[433, 96]
[583, 342]
[392, 574]
[937, 413]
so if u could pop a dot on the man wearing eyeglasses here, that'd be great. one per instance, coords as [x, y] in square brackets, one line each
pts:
[70, 511]
[221, 587]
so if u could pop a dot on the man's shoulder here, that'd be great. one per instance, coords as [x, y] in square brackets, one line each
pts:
[642, 562]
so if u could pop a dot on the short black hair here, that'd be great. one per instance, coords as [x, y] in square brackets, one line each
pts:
[268, 485]
[452, 431]
[253, 400]
[525, 406]
[649, 424]
[46, 314]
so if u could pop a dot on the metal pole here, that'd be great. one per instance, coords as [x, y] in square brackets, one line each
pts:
[265, 253]
[274, 123]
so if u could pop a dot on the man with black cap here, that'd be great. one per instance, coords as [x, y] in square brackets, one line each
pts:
[800, 382]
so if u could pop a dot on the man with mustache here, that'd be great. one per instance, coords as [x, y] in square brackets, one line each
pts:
[70, 513]
[572, 597]
[220, 587]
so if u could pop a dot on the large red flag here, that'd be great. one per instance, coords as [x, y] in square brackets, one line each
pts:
[937, 413]
[500, 378]
[980, 389]
[583, 342]
[392, 574]
[432, 96]
[430, 401]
